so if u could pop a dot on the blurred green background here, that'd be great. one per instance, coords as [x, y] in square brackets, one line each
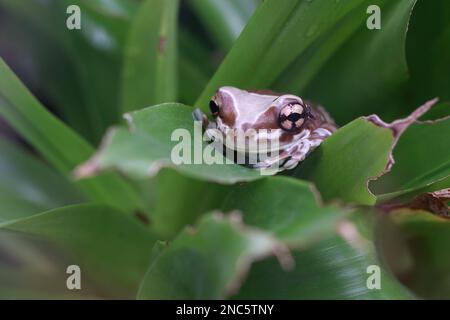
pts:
[132, 54]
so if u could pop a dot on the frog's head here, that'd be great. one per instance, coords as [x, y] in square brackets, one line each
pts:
[295, 125]
[285, 115]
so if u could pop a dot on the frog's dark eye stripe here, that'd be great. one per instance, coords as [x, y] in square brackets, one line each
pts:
[292, 116]
[214, 108]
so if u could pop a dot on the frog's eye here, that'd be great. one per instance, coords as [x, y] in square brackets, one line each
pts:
[214, 108]
[292, 116]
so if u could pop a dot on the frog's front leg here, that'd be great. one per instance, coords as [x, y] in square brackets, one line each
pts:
[305, 147]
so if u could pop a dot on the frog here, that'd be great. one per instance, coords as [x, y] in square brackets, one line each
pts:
[296, 125]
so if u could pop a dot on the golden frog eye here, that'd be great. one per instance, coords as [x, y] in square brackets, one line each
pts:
[293, 116]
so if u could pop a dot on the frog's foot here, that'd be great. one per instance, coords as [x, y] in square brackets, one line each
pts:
[303, 149]
[274, 164]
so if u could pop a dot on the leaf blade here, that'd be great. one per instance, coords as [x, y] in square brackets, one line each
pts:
[149, 71]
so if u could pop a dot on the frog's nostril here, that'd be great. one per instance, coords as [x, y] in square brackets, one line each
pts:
[214, 108]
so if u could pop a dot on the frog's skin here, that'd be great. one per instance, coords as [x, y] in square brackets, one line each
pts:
[299, 126]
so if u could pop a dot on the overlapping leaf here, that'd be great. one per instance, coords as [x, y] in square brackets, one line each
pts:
[364, 69]
[203, 271]
[224, 20]
[346, 161]
[344, 265]
[290, 209]
[355, 154]
[422, 162]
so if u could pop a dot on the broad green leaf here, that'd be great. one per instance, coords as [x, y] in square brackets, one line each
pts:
[424, 237]
[149, 71]
[290, 209]
[337, 267]
[194, 198]
[208, 261]
[367, 71]
[276, 35]
[344, 163]
[57, 143]
[193, 75]
[284, 208]
[112, 249]
[422, 159]
[29, 186]
[147, 147]
[223, 20]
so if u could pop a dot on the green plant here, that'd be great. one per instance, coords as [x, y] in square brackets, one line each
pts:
[138, 226]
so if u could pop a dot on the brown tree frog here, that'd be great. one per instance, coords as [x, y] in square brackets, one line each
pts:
[297, 126]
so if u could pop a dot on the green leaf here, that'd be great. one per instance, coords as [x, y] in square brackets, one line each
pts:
[367, 71]
[147, 147]
[112, 249]
[280, 207]
[87, 92]
[422, 161]
[29, 186]
[429, 68]
[193, 75]
[344, 163]
[355, 154]
[223, 20]
[288, 208]
[334, 268]
[276, 35]
[57, 143]
[207, 262]
[149, 71]
[423, 237]
[194, 198]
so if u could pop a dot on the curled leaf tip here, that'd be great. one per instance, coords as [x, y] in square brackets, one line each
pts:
[398, 127]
